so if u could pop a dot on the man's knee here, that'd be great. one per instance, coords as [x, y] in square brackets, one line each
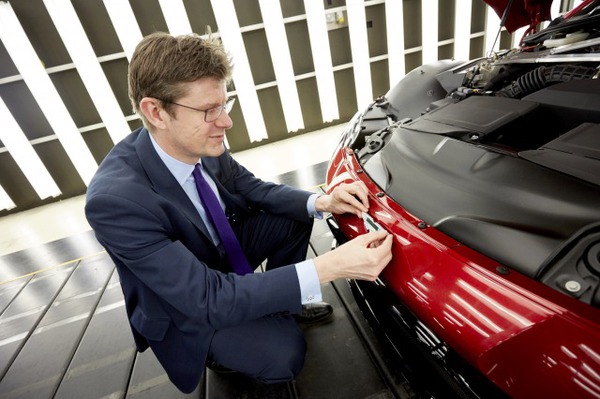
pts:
[271, 349]
[283, 363]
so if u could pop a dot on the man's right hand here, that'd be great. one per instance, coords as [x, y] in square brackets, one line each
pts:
[362, 258]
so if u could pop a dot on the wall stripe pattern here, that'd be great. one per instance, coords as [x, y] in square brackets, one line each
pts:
[175, 16]
[21, 144]
[125, 24]
[38, 82]
[79, 48]
[231, 35]
[282, 63]
[319, 44]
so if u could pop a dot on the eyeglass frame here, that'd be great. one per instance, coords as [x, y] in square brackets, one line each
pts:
[224, 107]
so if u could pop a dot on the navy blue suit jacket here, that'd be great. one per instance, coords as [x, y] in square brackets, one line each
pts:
[175, 295]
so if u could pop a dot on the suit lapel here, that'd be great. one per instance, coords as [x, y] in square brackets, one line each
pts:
[163, 181]
[213, 167]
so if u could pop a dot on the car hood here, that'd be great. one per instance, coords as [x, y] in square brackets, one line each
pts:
[521, 12]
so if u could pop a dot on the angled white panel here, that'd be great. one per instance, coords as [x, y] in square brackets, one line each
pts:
[359, 45]
[492, 29]
[32, 71]
[175, 17]
[394, 25]
[554, 12]
[321, 54]
[429, 30]
[282, 64]
[25, 156]
[5, 201]
[518, 35]
[79, 48]
[229, 28]
[123, 20]
[462, 30]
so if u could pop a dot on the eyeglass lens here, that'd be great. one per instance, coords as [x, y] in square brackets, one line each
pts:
[213, 114]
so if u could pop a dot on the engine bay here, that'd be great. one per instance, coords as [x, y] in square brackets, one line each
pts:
[501, 153]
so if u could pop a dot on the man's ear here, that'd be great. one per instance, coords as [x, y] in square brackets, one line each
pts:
[154, 112]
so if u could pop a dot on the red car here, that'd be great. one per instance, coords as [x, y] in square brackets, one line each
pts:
[487, 173]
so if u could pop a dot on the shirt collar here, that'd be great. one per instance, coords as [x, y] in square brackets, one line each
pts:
[180, 170]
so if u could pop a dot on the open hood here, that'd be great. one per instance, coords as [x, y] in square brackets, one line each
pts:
[522, 12]
[515, 14]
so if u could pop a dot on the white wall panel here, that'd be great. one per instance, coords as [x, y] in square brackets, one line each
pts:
[31, 69]
[394, 22]
[462, 29]
[429, 30]
[125, 24]
[359, 44]
[282, 64]
[5, 202]
[25, 156]
[229, 28]
[321, 54]
[79, 48]
[492, 31]
[176, 17]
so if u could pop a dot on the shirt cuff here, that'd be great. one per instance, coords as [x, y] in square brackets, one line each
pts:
[310, 287]
[312, 208]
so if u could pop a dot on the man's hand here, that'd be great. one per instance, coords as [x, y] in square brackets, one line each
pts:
[362, 258]
[345, 198]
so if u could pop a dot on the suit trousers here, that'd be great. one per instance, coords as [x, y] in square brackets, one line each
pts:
[272, 348]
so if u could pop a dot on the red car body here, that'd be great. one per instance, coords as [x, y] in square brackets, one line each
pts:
[525, 336]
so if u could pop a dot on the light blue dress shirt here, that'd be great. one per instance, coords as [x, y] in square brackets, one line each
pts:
[310, 288]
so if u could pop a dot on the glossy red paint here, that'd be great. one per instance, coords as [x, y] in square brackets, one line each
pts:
[528, 339]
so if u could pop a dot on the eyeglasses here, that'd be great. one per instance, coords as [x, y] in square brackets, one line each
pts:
[211, 114]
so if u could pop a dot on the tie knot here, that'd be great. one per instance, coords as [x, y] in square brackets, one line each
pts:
[197, 172]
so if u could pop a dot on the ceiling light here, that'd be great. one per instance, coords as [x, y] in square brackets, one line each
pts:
[31, 69]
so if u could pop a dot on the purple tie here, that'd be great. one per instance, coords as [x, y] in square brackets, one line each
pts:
[215, 213]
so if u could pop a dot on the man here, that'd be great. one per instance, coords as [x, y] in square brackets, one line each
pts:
[147, 208]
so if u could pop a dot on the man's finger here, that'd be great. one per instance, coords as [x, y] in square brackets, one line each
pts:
[360, 190]
[375, 237]
[346, 197]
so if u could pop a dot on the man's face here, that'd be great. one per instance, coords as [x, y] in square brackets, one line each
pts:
[187, 136]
